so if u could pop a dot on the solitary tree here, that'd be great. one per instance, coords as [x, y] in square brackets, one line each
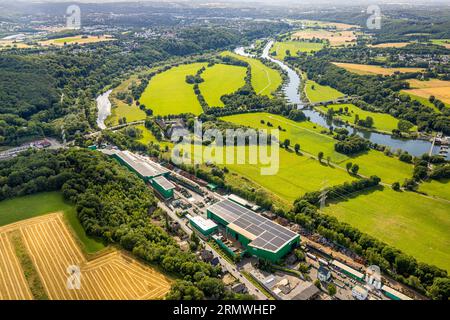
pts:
[320, 156]
[331, 289]
[349, 166]
[297, 148]
[287, 143]
[355, 169]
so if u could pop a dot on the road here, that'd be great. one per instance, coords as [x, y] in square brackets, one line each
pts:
[232, 269]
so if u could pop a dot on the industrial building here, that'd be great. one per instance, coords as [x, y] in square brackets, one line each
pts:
[163, 186]
[204, 226]
[259, 236]
[393, 294]
[145, 168]
[348, 271]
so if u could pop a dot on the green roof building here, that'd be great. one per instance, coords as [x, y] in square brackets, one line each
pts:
[145, 168]
[163, 186]
[259, 236]
[205, 227]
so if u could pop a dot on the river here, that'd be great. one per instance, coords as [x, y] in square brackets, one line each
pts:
[103, 109]
[291, 89]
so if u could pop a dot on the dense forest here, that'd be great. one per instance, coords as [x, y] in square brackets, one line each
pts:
[114, 204]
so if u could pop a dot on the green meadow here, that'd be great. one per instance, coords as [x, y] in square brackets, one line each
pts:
[148, 137]
[436, 188]
[318, 93]
[31, 206]
[382, 121]
[280, 48]
[220, 80]
[297, 173]
[265, 80]
[312, 141]
[403, 220]
[168, 93]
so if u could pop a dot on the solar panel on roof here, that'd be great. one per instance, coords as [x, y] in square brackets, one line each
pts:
[268, 235]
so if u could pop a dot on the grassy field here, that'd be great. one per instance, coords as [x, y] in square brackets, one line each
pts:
[382, 121]
[439, 189]
[265, 80]
[442, 42]
[294, 47]
[317, 93]
[434, 87]
[403, 220]
[311, 141]
[119, 109]
[168, 92]
[366, 69]
[297, 174]
[27, 207]
[220, 80]
[336, 38]
[148, 137]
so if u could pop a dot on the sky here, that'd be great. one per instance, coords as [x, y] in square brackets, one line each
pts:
[418, 2]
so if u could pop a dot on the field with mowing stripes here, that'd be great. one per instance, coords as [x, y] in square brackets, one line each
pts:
[52, 250]
[265, 80]
[13, 285]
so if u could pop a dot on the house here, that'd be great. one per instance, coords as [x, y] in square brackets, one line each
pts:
[323, 274]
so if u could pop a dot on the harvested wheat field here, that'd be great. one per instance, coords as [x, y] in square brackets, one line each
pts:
[75, 40]
[13, 285]
[390, 45]
[338, 38]
[114, 275]
[366, 69]
[434, 87]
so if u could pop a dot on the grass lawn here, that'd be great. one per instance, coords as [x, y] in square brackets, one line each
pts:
[403, 220]
[382, 121]
[318, 93]
[294, 47]
[148, 137]
[442, 42]
[366, 69]
[435, 188]
[265, 80]
[27, 207]
[119, 109]
[168, 92]
[297, 174]
[220, 80]
[311, 141]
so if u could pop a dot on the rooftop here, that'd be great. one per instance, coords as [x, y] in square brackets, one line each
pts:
[204, 224]
[142, 165]
[263, 233]
[164, 183]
